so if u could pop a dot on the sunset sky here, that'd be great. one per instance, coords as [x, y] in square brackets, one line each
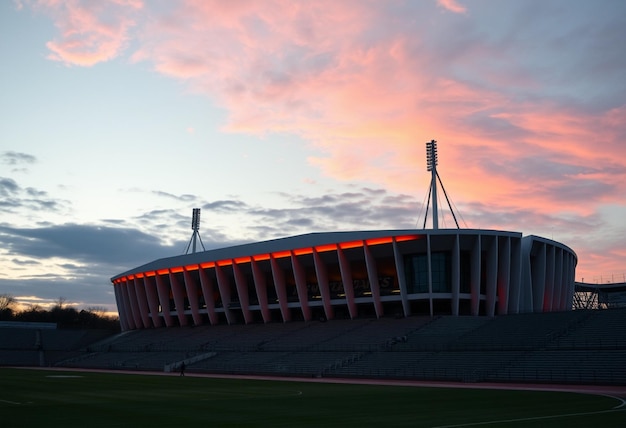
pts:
[285, 117]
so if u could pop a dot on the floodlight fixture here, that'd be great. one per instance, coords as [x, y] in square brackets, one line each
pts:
[195, 226]
[195, 219]
[431, 155]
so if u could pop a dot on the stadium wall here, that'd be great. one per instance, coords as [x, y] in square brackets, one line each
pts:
[351, 274]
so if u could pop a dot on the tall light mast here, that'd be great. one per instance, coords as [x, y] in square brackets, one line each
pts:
[195, 226]
[431, 166]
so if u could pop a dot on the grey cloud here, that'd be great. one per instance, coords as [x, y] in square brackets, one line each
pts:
[16, 158]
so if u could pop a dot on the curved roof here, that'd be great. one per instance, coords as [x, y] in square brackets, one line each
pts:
[296, 242]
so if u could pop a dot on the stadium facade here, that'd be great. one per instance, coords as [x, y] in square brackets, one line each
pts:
[351, 274]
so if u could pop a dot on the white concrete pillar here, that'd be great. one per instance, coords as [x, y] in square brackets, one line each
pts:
[121, 309]
[504, 274]
[134, 307]
[142, 301]
[399, 262]
[153, 300]
[164, 298]
[242, 290]
[208, 292]
[538, 269]
[179, 298]
[322, 282]
[492, 274]
[516, 276]
[476, 275]
[224, 286]
[348, 283]
[260, 286]
[456, 274]
[549, 304]
[372, 275]
[192, 294]
[281, 288]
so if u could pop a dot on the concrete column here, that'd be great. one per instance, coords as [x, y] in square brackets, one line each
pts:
[549, 304]
[303, 297]
[348, 283]
[476, 264]
[121, 310]
[242, 290]
[134, 307]
[372, 275]
[179, 298]
[281, 288]
[164, 299]
[130, 319]
[504, 274]
[538, 269]
[399, 262]
[192, 295]
[208, 291]
[456, 274]
[224, 286]
[492, 274]
[322, 281]
[142, 301]
[260, 286]
[153, 300]
[516, 276]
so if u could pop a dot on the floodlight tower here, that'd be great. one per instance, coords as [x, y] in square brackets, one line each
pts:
[195, 226]
[431, 166]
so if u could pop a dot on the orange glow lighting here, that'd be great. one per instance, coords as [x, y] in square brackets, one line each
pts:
[243, 259]
[378, 241]
[176, 269]
[280, 254]
[407, 238]
[351, 244]
[191, 267]
[260, 257]
[327, 247]
[302, 251]
[150, 273]
[163, 271]
[207, 265]
[224, 262]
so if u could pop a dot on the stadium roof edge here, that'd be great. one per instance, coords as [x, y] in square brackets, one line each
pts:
[296, 242]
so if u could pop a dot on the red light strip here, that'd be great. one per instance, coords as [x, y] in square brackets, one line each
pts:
[351, 244]
[407, 238]
[327, 247]
[280, 254]
[378, 241]
[266, 256]
[302, 251]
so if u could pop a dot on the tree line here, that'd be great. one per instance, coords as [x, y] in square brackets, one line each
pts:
[63, 315]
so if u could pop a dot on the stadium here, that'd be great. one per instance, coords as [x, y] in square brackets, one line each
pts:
[468, 309]
[351, 275]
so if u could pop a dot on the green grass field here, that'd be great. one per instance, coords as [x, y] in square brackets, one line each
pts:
[36, 398]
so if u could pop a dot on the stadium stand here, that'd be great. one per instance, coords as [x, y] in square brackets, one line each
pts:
[583, 347]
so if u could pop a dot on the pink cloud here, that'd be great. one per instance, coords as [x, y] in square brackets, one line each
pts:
[452, 6]
[368, 83]
[90, 32]
[367, 97]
